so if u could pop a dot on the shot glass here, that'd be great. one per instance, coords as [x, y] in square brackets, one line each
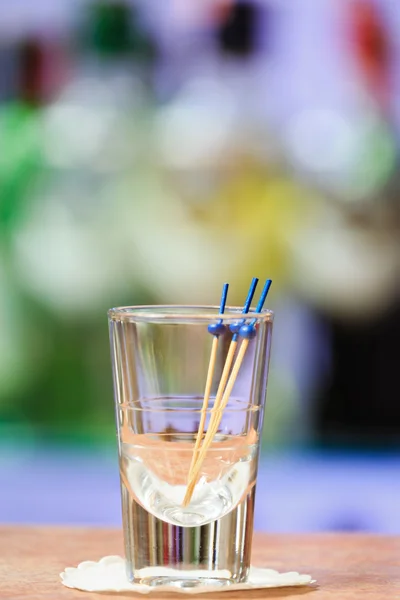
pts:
[160, 361]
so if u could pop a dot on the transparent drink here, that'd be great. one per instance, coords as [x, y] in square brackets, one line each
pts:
[155, 466]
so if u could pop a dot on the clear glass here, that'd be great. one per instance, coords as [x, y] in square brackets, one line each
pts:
[160, 357]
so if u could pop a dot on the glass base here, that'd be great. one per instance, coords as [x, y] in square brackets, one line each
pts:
[180, 582]
[213, 555]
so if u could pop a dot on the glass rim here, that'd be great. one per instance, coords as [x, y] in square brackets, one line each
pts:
[185, 312]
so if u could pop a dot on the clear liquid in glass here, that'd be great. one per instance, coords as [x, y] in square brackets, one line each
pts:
[214, 531]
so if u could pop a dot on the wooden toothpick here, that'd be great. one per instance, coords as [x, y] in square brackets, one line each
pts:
[216, 329]
[218, 397]
[198, 455]
[215, 422]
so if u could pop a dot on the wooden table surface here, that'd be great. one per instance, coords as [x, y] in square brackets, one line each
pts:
[346, 566]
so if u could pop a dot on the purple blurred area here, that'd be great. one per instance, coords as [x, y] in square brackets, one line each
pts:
[295, 492]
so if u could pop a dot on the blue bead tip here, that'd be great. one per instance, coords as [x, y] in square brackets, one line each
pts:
[217, 329]
[248, 332]
[235, 327]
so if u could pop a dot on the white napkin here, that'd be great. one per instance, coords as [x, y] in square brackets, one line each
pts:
[109, 575]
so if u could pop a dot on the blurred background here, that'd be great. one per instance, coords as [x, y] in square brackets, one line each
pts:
[150, 151]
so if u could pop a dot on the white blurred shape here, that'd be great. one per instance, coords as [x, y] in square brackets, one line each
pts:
[196, 128]
[109, 90]
[66, 265]
[322, 140]
[344, 271]
[172, 255]
[74, 134]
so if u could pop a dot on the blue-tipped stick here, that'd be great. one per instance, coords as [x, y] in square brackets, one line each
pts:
[236, 326]
[218, 328]
[249, 331]
[250, 295]
[263, 298]
[223, 299]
